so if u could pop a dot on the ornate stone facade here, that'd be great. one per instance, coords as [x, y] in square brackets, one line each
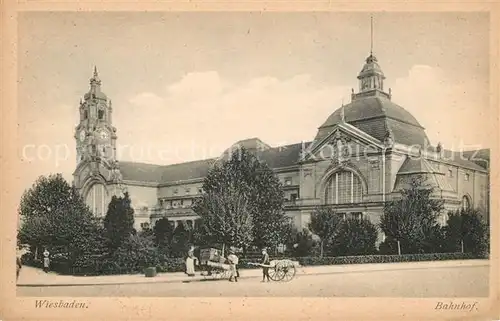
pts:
[361, 157]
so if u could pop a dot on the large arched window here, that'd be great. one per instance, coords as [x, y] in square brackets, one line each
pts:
[97, 200]
[465, 203]
[343, 187]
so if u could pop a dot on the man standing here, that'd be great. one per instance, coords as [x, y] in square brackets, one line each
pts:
[265, 267]
[233, 263]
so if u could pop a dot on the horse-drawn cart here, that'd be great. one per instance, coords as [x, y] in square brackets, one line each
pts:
[213, 264]
[280, 270]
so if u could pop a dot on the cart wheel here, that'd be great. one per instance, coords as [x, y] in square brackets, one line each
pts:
[288, 272]
[218, 275]
[274, 273]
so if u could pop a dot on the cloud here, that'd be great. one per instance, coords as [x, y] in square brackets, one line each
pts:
[444, 106]
[212, 113]
[203, 113]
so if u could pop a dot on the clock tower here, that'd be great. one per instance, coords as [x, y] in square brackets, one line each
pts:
[97, 175]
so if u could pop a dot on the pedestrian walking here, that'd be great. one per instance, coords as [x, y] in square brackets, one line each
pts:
[265, 267]
[19, 266]
[46, 261]
[233, 263]
[190, 262]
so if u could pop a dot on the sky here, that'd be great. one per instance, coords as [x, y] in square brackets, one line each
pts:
[186, 86]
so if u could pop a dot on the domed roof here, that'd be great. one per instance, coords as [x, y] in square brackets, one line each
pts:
[95, 88]
[97, 94]
[377, 116]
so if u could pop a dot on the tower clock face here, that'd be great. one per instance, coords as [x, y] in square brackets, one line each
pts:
[82, 135]
[102, 134]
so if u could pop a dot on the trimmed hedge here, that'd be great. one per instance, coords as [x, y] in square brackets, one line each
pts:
[90, 266]
[96, 266]
[367, 259]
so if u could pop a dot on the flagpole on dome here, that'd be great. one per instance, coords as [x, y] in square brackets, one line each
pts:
[371, 35]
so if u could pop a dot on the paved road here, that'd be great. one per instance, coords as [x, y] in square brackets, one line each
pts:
[465, 281]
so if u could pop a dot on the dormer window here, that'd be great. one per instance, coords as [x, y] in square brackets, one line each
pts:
[188, 190]
[466, 177]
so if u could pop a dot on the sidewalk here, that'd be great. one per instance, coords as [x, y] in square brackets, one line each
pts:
[34, 277]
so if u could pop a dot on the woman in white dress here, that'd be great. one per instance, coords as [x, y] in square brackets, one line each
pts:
[190, 262]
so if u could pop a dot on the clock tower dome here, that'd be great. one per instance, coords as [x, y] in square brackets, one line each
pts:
[95, 134]
[97, 173]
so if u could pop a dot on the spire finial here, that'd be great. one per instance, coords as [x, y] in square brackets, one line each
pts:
[371, 35]
[95, 72]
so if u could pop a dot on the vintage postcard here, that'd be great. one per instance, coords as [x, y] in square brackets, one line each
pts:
[241, 162]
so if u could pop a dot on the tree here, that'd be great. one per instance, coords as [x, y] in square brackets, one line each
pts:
[466, 232]
[136, 253]
[225, 217]
[163, 233]
[411, 220]
[55, 216]
[201, 234]
[181, 240]
[324, 223]
[304, 244]
[355, 237]
[253, 192]
[46, 194]
[119, 221]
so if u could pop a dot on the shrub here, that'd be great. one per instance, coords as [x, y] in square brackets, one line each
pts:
[305, 244]
[411, 219]
[136, 253]
[466, 228]
[163, 233]
[355, 237]
[366, 259]
[171, 265]
[325, 223]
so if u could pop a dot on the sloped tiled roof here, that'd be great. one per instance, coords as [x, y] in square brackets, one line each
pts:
[461, 159]
[188, 170]
[252, 144]
[414, 166]
[141, 172]
[276, 157]
[421, 166]
[150, 173]
[283, 156]
[480, 153]
[479, 157]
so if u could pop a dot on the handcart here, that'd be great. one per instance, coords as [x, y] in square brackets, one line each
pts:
[213, 264]
[280, 270]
